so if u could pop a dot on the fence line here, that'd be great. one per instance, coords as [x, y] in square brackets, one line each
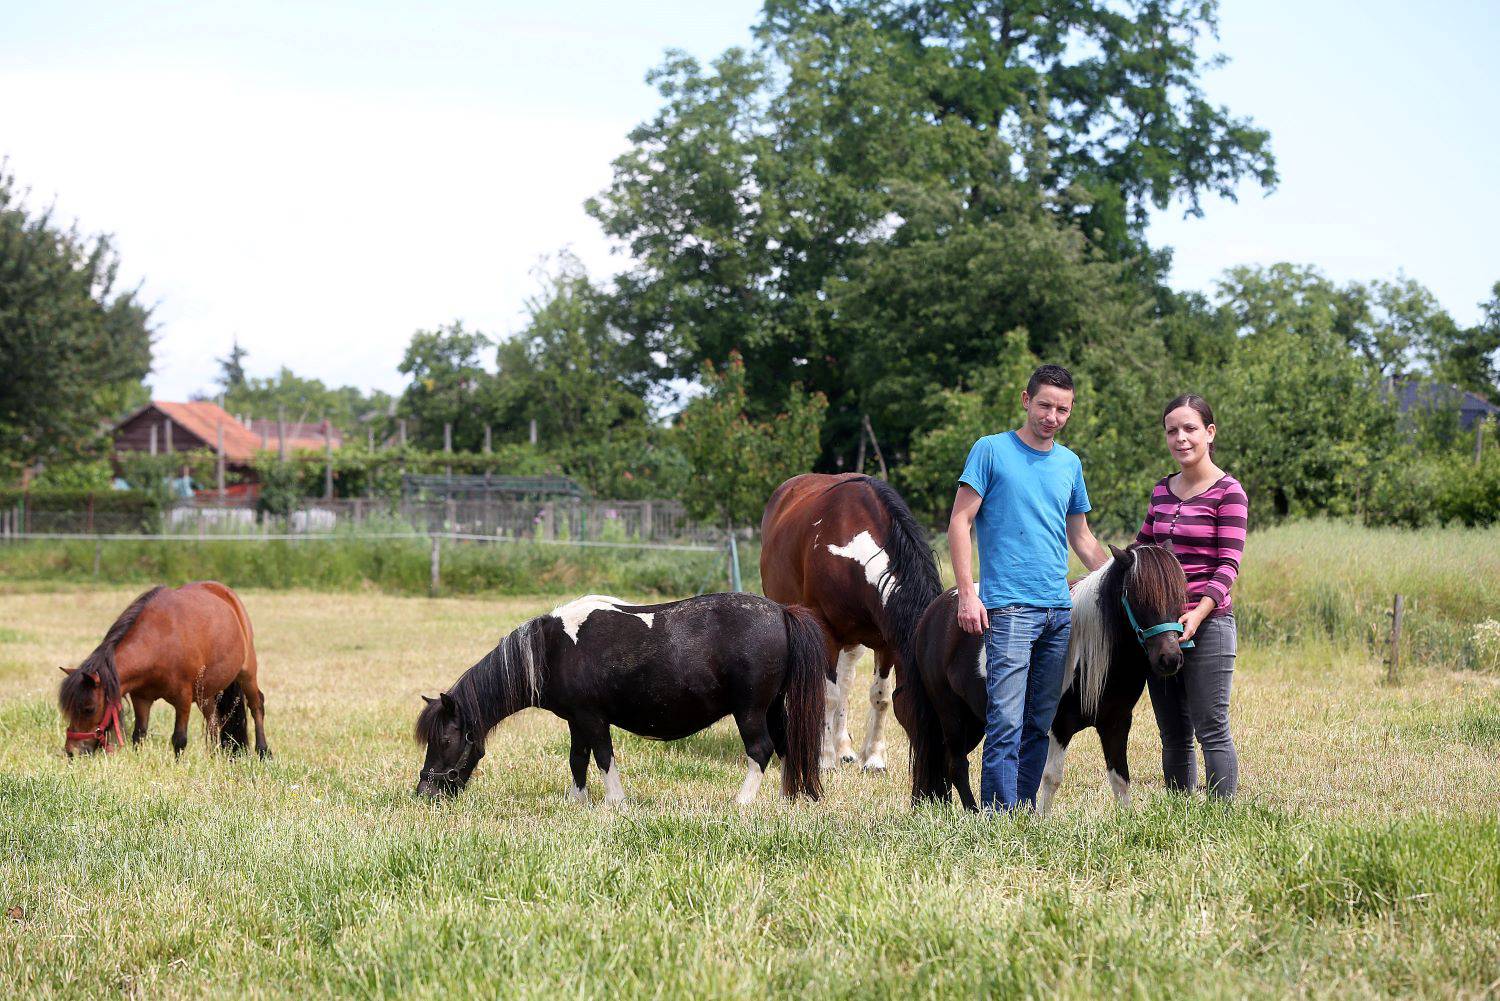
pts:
[353, 537]
[727, 548]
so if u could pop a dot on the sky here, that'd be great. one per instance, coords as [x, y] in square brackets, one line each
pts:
[321, 179]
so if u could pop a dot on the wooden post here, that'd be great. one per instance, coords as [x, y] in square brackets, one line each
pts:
[97, 546]
[1478, 441]
[447, 438]
[1393, 670]
[401, 424]
[437, 563]
[648, 518]
[875, 444]
[220, 450]
[281, 434]
[859, 462]
[533, 430]
[153, 439]
[487, 440]
[327, 460]
[169, 436]
[734, 563]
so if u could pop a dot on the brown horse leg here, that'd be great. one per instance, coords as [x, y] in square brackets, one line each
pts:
[142, 707]
[256, 700]
[873, 754]
[179, 728]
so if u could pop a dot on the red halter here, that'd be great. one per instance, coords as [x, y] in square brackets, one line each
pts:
[108, 724]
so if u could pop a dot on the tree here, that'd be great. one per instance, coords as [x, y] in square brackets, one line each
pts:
[1472, 359]
[570, 369]
[74, 349]
[294, 398]
[773, 185]
[448, 386]
[232, 368]
[736, 461]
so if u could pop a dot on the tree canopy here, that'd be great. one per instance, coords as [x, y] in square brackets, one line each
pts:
[74, 348]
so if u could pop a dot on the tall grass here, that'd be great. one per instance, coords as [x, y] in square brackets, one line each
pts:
[1359, 862]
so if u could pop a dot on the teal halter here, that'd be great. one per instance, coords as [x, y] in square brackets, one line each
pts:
[1144, 634]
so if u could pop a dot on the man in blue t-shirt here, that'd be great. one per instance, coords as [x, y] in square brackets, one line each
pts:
[1025, 494]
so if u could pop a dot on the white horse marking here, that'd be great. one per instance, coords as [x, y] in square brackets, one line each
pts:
[1052, 774]
[577, 611]
[837, 745]
[578, 795]
[614, 793]
[751, 786]
[873, 754]
[1088, 644]
[1121, 788]
[864, 550]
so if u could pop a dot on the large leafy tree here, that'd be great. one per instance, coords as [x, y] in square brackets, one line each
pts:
[736, 460]
[449, 386]
[74, 348]
[754, 199]
[291, 397]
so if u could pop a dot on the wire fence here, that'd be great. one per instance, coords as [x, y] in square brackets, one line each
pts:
[726, 545]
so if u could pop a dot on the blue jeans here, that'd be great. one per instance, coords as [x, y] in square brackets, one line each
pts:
[1025, 652]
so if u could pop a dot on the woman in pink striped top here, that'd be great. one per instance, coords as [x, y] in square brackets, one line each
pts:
[1201, 513]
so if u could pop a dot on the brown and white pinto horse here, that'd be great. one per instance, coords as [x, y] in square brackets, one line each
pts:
[187, 645]
[849, 548]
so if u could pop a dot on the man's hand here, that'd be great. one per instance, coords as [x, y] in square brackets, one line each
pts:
[972, 616]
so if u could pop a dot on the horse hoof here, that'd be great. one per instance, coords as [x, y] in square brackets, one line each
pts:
[265, 753]
[873, 769]
[846, 759]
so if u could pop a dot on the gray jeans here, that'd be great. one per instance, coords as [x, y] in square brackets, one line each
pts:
[1195, 703]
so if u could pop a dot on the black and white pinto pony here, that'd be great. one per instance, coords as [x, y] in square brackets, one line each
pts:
[661, 671]
[1109, 653]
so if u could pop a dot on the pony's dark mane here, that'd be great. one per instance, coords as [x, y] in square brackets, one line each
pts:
[504, 681]
[1157, 583]
[70, 697]
[911, 562]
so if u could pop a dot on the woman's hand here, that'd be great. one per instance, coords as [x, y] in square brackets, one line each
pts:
[1192, 619]
[972, 617]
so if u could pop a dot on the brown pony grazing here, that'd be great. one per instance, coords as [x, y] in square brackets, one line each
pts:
[185, 645]
[849, 548]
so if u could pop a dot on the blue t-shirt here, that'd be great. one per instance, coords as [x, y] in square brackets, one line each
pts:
[1022, 524]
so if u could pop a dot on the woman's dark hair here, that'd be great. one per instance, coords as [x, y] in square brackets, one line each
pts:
[1198, 405]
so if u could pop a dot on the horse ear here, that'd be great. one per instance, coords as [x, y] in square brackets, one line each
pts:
[66, 670]
[1116, 551]
[448, 703]
[428, 700]
[94, 675]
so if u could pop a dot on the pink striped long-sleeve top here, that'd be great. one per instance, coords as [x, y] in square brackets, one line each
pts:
[1207, 532]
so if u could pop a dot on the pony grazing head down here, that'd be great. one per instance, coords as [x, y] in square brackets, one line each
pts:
[1141, 591]
[454, 725]
[454, 747]
[90, 694]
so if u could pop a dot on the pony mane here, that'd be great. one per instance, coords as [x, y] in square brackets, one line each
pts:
[911, 569]
[1091, 637]
[70, 697]
[1157, 587]
[504, 681]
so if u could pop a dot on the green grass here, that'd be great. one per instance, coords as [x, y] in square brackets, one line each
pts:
[1360, 860]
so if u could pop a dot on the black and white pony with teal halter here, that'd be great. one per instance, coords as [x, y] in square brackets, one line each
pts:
[1109, 653]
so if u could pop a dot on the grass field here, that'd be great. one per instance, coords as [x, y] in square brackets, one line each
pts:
[1363, 858]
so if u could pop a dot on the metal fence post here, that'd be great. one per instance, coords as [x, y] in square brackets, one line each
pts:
[734, 564]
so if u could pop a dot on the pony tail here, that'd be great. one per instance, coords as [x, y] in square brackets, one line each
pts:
[234, 727]
[808, 661]
[924, 730]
